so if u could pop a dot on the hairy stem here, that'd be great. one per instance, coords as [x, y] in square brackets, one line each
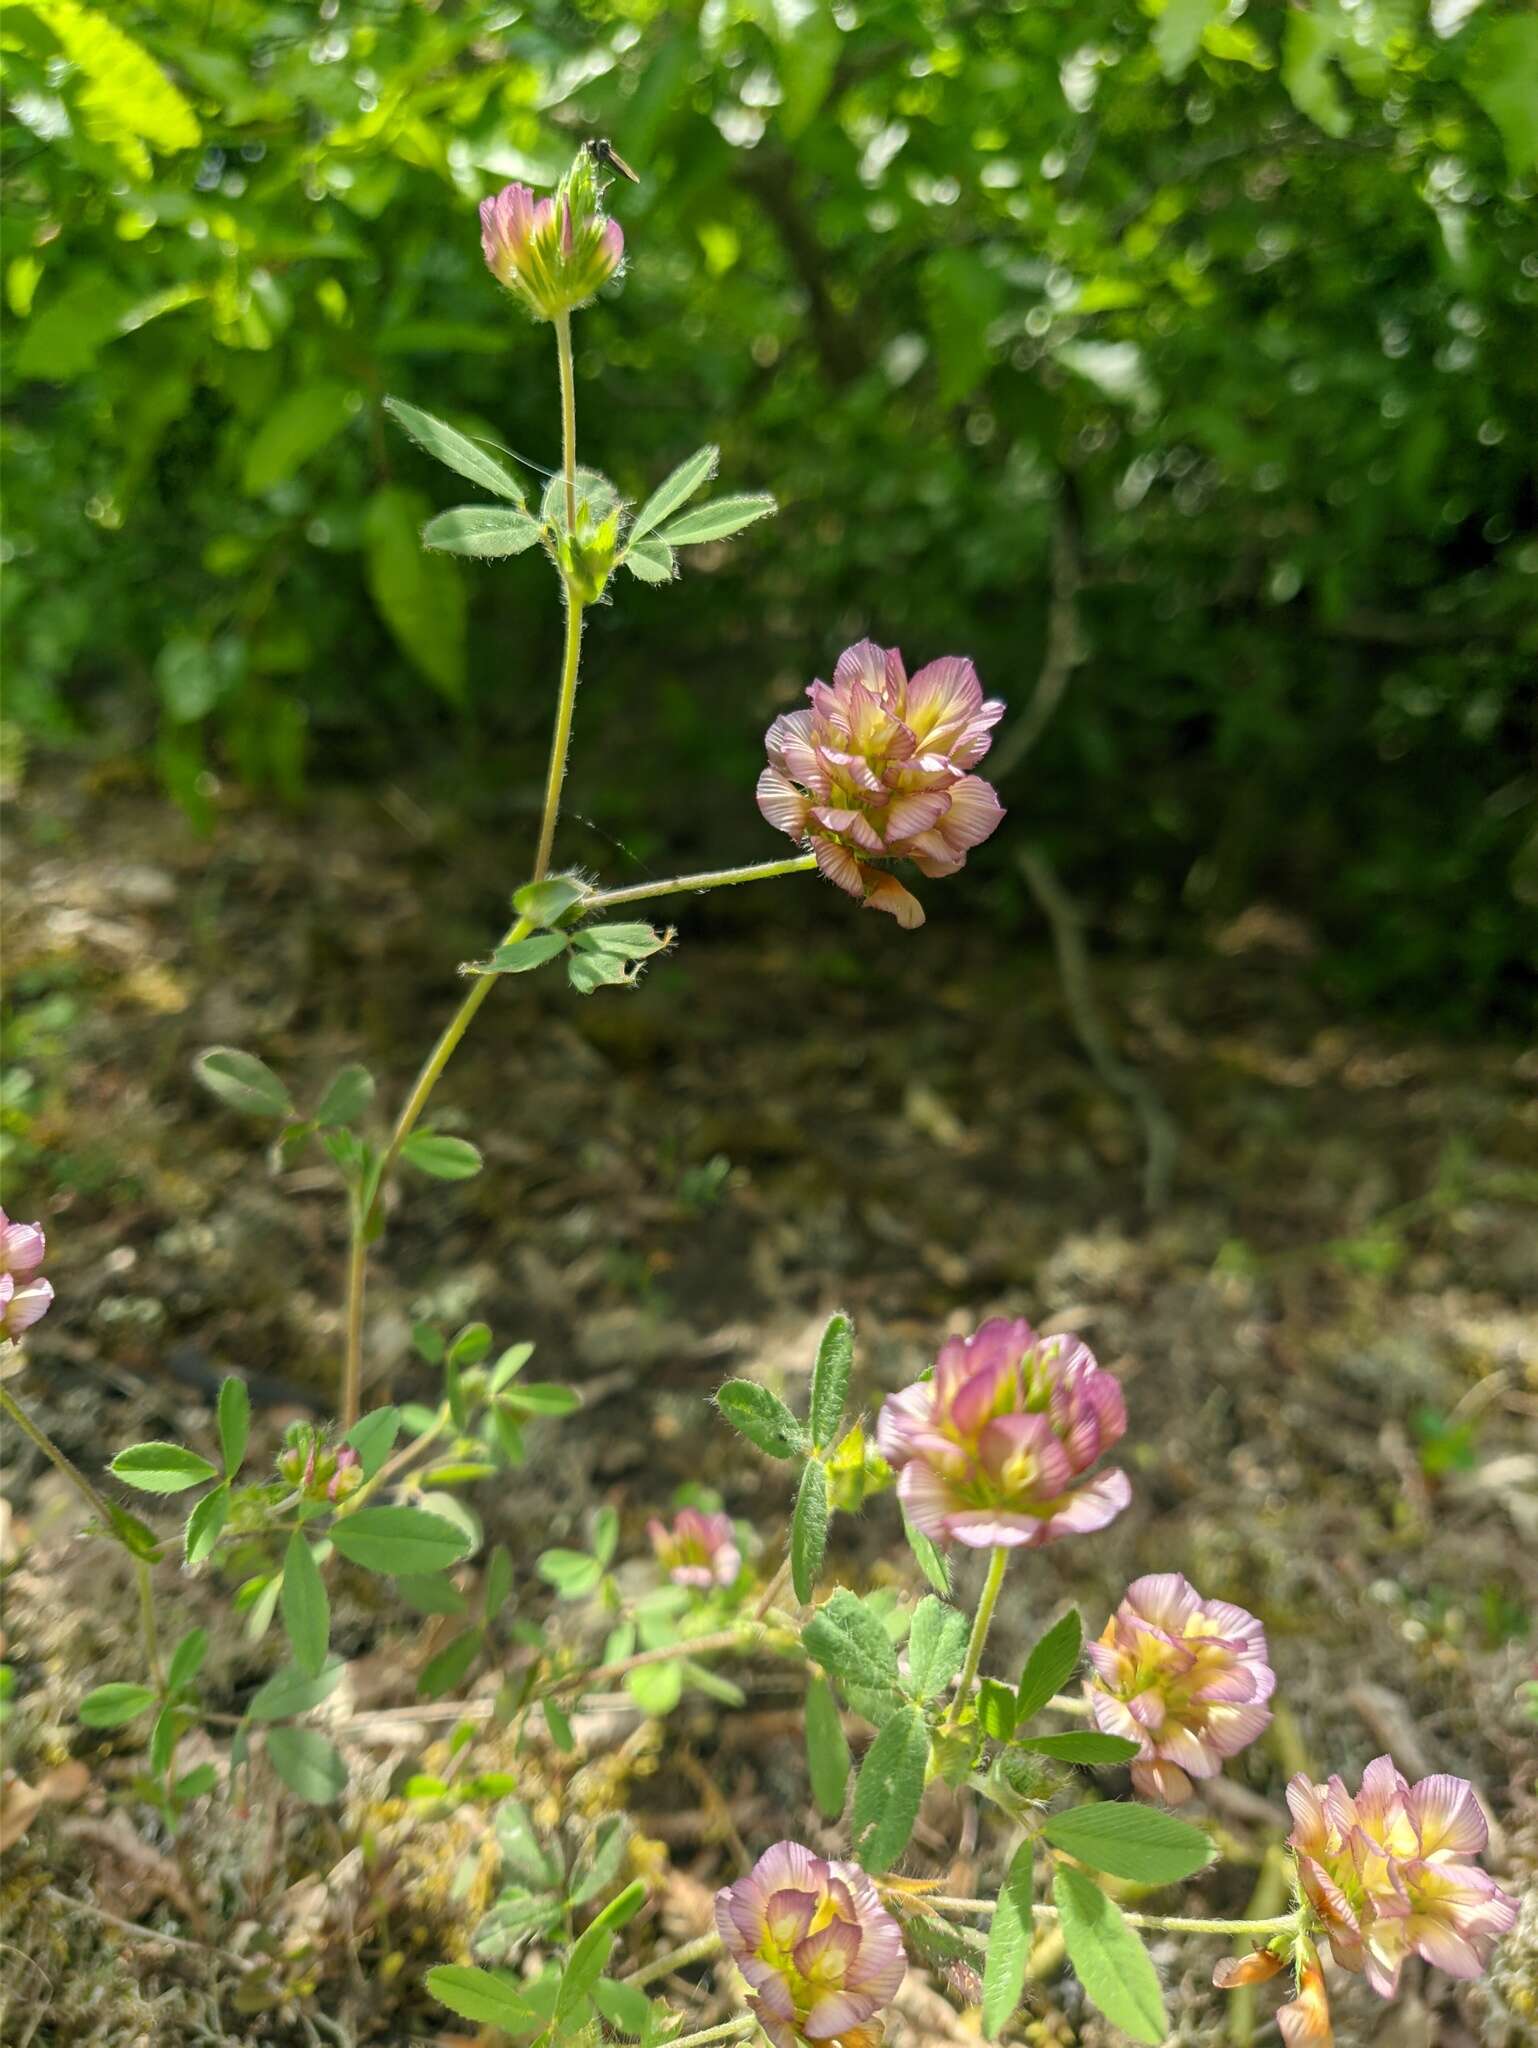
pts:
[981, 1623]
[352, 1355]
[464, 1016]
[36, 1434]
[147, 1622]
[729, 2030]
[568, 417]
[698, 1951]
[560, 740]
[1171, 1923]
[713, 878]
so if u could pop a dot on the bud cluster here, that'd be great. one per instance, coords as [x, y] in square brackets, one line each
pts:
[320, 1470]
[25, 1296]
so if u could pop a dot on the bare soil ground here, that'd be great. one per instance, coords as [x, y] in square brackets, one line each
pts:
[1328, 1339]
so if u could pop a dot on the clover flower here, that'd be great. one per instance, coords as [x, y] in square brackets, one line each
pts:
[996, 1447]
[877, 771]
[25, 1296]
[1391, 1873]
[699, 1550]
[820, 1952]
[554, 253]
[1184, 1678]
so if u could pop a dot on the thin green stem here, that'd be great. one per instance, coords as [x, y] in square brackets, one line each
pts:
[101, 1508]
[37, 1435]
[352, 1356]
[981, 1622]
[568, 418]
[405, 1456]
[713, 878]
[729, 2030]
[147, 1622]
[560, 741]
[1171, 1923]
[698, 1951]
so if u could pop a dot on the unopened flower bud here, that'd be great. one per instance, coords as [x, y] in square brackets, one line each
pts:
[25, 1296]
[699, 1550]
[554, 253]
[348, 1475]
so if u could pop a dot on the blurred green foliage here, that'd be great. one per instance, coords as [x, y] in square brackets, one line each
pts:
[1234, 303]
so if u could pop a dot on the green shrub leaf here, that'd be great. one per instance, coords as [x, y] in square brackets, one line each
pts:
[306, 1610]
[1083, 1746]
[809, 1529]
[292, 1691]
[242, 1081]
[1009, 1944]
[309, 1765]
[485, 531]
[455, 450]
[889, 1790]
[348, 1094]
[830, 1379]
[1135, 1842]
[827, 1749]
[205, 1525]
[1108, 1958]
[444, 1158]
[234, 1422]
[762, 1418]
[719, 518]
[161, 1468]
[937, 1647]
[675, 490]
[109, 1706]
[1050, 1665]
[399, 1540]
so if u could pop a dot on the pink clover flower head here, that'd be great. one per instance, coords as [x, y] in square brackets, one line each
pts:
[879, 769]
[554, 253]
[1184, 1678]
[996, 1448]
[699, 1550]
[25, 1296]
[1391, 1873]
[821, 1954]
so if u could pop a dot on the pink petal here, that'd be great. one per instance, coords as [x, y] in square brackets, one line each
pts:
[885, 892]
[839, 865]
[1447, 1816]
[27, 1306]
[975, 812]
[782, 804]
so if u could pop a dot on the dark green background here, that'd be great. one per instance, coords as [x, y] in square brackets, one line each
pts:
[1238, 306]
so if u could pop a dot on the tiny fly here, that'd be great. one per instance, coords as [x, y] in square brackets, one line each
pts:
[602, 152]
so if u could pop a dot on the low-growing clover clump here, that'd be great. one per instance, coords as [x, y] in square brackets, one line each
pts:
[1006, 1446]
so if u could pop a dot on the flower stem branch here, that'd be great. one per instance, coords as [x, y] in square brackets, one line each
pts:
[698, 1951]
[713, 878]
[729, 2030]
[35, 1434]
[1171, 1923]
[147, 1623]
[432, 1070]
[101, 1508]
[568, 418]
[981, 1623]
